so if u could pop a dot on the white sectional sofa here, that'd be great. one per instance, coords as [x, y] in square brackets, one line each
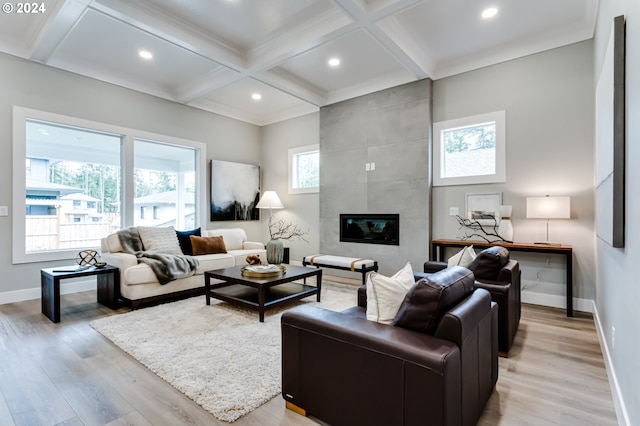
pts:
[138, 283]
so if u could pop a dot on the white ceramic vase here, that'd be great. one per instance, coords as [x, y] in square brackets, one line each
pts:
[505, 228]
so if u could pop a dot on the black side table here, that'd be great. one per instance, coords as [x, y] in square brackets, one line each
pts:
[108, 287]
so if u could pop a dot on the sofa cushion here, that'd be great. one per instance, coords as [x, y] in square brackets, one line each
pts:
[208, 262]
[385, 294]
[464, 257]
[159, 239]
[487, 264]
[207, 245]
[234, 238]
[432, 296]
[185, 241]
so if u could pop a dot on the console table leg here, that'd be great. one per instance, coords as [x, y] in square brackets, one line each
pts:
[569, 284]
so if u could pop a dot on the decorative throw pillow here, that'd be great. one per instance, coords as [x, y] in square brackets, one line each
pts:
[159, 239]
[207, 245]
[185, 241]
[463, 258]
[385, 294]
[432, 296]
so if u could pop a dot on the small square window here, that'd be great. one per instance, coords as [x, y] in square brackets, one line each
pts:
[304, 169]
[469, 150]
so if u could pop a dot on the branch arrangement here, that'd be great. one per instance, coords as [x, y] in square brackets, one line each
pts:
[486, 234]
[280, 229]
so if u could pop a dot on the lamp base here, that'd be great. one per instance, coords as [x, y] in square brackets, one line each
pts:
[547, 243]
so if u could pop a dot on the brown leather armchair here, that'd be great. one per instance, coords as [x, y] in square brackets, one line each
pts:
[345, 370]
[499, 275]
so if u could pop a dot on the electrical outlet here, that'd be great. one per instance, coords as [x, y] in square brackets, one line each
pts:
[454, 211]
[367, 167]
[4, 211]
[613, 338]
[373, 166]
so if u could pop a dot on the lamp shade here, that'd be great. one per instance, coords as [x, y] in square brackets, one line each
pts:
[548, 207]
[270, 200]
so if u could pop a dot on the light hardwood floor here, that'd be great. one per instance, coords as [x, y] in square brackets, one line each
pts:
[68, 374]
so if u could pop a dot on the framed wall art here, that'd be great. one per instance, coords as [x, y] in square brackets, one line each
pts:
[610, 140]
[235, 191]
[484, 208]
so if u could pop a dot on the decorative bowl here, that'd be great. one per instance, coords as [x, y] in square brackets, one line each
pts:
[247, 272]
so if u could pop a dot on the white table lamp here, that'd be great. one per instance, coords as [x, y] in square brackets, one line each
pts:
[275, 248]
[548, 208]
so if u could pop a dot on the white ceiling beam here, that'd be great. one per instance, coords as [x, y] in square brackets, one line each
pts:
[292, 85]
[173, 31]
[368, 23]
[322, 29]
[60, 22]
[210, 82]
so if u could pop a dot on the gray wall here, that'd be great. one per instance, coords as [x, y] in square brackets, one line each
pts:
[36, 86]
[392, 129]
[300, 209]
[549, 104]
[617, 279]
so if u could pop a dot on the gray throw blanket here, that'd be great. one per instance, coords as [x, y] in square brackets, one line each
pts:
[166, 267]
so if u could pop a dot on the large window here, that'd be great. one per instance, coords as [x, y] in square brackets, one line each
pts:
[84, 180]
[469, 150]
[164, 184]
[304, 169]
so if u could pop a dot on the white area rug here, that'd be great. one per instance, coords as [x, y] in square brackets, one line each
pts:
[220, 355]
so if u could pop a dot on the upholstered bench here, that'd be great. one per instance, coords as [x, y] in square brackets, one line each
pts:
[352, 264]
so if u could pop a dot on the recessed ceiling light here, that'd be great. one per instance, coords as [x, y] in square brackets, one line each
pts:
[256, 96]
[145, 54]
[489, 13]
[334, 62]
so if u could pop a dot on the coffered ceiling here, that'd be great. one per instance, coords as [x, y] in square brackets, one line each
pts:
[216, 54]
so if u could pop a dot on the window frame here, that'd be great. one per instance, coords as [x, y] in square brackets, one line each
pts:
[297, 151]
[128, 135]
[499, 117]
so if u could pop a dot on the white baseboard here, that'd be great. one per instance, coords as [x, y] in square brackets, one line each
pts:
[616, 393]
[556, 301]
[71, 286]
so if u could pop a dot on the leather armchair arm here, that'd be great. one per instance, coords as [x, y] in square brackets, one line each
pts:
[360, 333]
[457, 323]
[431, 266]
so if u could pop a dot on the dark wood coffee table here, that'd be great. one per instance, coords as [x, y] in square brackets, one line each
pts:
[261, 293]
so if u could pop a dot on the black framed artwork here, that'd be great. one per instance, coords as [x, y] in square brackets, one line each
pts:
[235, 191]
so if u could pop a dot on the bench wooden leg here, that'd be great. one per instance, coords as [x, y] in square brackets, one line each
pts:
[295, 408]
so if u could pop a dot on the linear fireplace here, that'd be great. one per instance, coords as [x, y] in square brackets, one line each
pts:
[370, 228]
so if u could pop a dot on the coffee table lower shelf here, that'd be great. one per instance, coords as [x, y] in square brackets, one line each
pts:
[261, 294]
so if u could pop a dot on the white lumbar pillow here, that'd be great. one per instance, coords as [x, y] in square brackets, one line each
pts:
[464, 257]
[385, 294]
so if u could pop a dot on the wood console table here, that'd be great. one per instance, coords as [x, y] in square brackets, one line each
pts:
[438, 247]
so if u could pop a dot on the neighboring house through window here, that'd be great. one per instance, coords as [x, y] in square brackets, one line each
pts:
[469, 150]
[75, 189]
